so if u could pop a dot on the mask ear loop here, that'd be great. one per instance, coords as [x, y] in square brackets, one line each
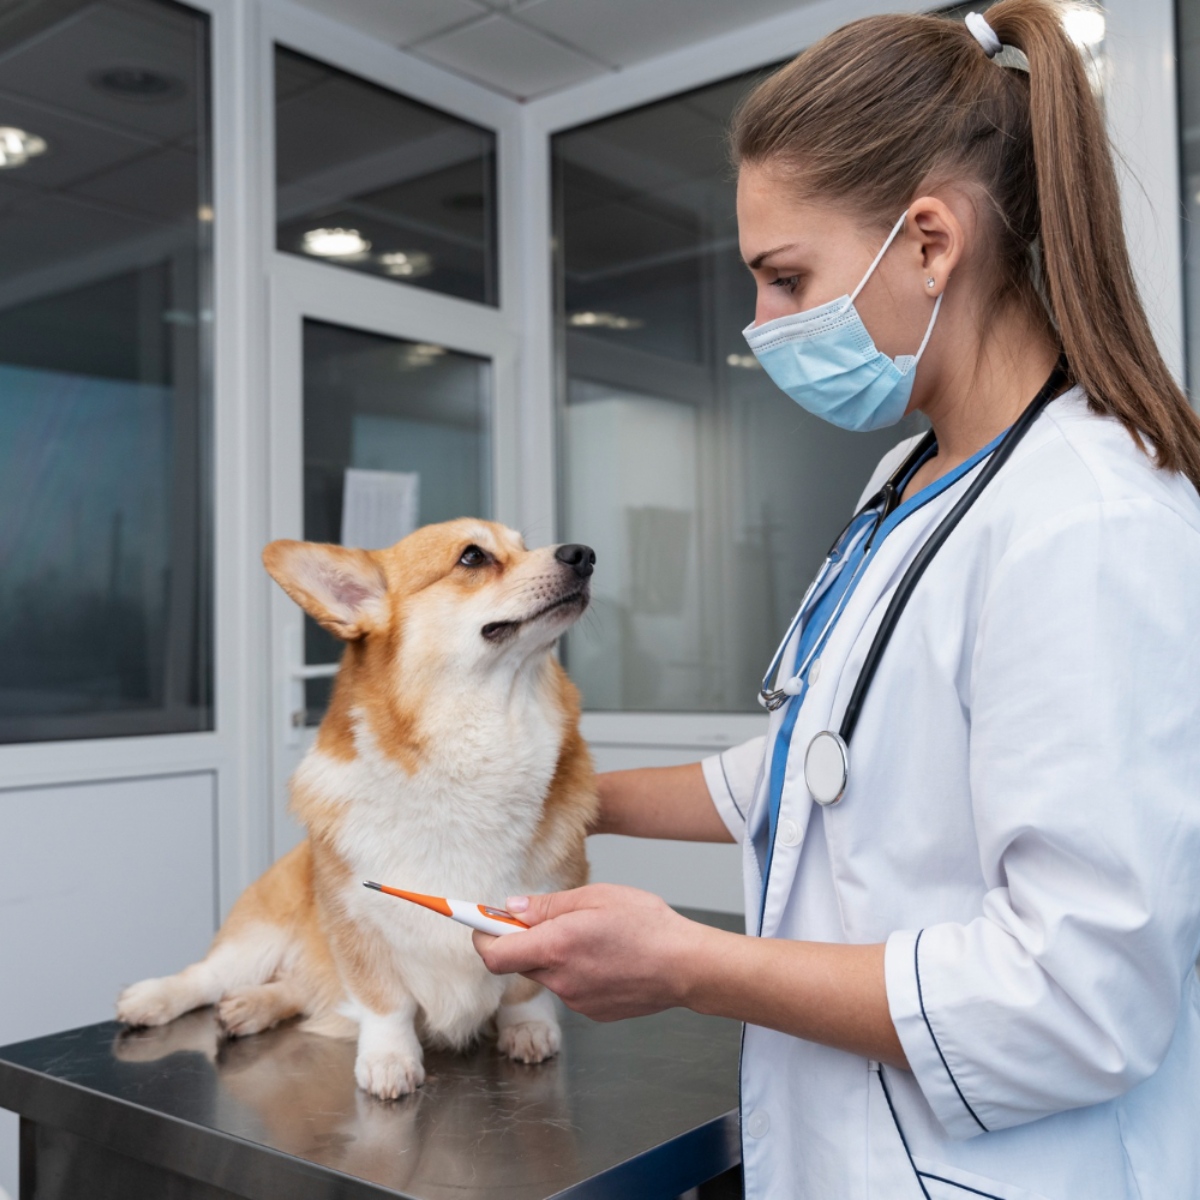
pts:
[928, 331]
[862, 283]
[937, 304]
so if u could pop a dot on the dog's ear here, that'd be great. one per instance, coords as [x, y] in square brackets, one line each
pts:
[343, 590]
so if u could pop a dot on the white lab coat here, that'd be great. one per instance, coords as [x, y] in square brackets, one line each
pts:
[1022, 828]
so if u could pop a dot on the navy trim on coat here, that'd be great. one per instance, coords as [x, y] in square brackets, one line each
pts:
[933, 1036]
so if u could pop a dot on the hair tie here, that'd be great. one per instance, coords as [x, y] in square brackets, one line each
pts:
[984, 34]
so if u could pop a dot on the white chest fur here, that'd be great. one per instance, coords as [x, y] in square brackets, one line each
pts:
[460, 826]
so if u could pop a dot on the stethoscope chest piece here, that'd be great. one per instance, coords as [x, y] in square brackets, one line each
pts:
[827, 767]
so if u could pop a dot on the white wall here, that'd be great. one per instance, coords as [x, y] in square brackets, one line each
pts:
[100, 885]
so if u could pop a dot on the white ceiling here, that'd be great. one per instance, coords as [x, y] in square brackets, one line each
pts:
[526, 48]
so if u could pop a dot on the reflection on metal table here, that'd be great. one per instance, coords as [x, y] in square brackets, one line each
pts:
[644, 1108]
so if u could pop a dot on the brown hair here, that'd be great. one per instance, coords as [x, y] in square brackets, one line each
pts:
[886, 104]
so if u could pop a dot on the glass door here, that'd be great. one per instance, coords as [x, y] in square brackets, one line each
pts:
[387, 412]
[395, 435]
[392, 363]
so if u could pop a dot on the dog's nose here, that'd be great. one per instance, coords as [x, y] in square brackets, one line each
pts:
[581, 559]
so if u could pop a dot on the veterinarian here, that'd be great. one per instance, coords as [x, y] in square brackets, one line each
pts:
[974, 908]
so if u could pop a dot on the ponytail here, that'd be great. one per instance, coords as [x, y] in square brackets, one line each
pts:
[875, 109]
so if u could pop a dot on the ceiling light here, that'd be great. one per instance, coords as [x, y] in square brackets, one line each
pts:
[406, 264]
[603, 320]
[1084, 26]
[17, 147]
[746, 361]
[421, 354]
[335, 243]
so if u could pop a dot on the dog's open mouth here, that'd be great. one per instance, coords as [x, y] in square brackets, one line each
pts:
[497, 631]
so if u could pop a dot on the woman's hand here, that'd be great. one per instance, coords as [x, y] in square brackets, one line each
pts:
[608, 952]
[614, 952]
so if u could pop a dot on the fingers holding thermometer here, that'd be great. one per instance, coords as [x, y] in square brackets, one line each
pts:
[608, 952]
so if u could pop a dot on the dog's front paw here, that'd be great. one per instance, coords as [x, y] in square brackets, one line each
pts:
[388, 1074]
[530, 1041]
[151, 1002]
[244, 1013]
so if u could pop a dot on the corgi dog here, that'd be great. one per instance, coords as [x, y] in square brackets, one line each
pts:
[449, 762]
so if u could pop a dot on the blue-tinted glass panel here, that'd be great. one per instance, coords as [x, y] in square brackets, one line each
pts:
[105, 543]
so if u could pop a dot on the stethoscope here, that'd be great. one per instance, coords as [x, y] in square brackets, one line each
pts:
[827, 759]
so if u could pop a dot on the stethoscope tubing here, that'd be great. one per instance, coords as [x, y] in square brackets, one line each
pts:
[829, 751]
[919, 565]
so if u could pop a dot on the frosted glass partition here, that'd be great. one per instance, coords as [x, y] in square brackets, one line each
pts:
[396, 435]
[710, 497]
[105, 543]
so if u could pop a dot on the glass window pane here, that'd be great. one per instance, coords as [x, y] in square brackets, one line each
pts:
[395, 436]
[105, 542]
[376, 182]
[709, 496]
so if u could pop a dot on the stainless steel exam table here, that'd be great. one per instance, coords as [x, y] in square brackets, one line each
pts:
[638, 1109]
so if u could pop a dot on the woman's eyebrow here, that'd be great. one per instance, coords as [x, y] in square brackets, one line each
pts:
[758, 260]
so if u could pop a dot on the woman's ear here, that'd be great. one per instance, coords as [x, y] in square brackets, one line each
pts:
[343, 590]
[941, 240]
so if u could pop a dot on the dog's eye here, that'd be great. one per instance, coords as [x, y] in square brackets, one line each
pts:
[473, 556]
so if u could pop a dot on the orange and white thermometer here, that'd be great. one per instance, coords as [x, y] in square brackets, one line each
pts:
[478, 916]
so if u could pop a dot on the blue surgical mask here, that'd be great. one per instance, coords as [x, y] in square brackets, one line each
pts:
[825, 360]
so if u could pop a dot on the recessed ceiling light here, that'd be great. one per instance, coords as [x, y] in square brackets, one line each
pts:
[1084, 26]
[603, 320]
[406, 264]
[746, 361]
[335, 243]
[421, 354]
[17, 147]
[137, 83]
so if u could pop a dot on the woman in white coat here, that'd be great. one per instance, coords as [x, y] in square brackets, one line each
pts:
[972, 974]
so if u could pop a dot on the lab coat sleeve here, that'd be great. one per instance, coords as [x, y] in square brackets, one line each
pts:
[732, 779]
[1084, 704]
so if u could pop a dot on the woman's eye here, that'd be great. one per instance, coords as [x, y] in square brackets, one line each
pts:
[472, 556]
[787, 282]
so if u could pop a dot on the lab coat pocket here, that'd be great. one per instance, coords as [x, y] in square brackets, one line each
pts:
[891, 1174]
[949, 1183]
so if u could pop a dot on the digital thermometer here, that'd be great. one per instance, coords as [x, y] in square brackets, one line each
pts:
[478, 916]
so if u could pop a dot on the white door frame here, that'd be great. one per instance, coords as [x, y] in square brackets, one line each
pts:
[300, 288]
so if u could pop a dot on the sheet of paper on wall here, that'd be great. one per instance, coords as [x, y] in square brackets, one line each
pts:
[379, 507]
